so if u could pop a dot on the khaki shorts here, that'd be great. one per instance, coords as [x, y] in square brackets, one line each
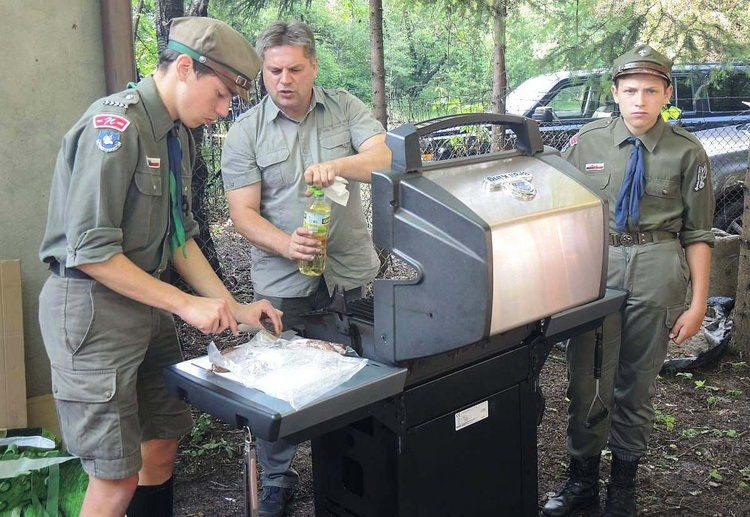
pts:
[107, 353]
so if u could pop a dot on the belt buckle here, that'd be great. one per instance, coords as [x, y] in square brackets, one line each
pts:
[626, 239]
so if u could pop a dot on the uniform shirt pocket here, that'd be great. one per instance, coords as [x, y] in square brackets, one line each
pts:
[275, 168]
[598, 180]
[148, 183]
[335, 143]
[662, 188]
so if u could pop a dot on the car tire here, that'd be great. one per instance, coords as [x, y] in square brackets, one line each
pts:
[729, 217]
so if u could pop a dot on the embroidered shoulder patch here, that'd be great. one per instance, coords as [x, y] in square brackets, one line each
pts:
[573, 140]
[109, 121]
[108, 141]
[701, 176]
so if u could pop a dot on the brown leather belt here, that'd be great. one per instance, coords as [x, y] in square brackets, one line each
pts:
[630, 239]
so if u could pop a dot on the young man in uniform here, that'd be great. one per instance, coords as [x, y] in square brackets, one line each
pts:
[299, 135]
[118, 213]
[657, 180]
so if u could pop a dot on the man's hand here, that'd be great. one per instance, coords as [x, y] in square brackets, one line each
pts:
[688, 324]
[260, 314]
[209, 315]
[321, 174]
[302, 246]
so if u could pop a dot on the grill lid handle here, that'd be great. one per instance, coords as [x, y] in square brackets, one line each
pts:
[404, 140]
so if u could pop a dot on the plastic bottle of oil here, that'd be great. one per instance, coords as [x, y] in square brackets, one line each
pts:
[317, 218]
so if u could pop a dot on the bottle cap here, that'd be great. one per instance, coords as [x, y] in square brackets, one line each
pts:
[315, 191]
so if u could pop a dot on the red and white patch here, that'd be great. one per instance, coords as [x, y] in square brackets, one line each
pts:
[573, 140]
[594, 166]
[153, 163]
[115, 122]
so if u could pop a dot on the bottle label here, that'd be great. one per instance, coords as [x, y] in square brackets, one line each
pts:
[316, 222]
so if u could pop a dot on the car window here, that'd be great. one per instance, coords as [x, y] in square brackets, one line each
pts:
[727, 91]
[591, 98]
[682, 94]
[568, 102]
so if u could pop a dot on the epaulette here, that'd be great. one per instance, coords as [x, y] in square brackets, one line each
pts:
[684, 133]
[596, 124]
[122, 100]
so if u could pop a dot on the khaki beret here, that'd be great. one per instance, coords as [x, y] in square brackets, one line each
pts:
[643, 59]
[219, 47]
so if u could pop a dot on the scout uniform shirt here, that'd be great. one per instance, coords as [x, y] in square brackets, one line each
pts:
[678, 197]
[110, 191]
[265, 146]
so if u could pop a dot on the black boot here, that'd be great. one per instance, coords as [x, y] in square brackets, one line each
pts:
[580, 492]
[621, 489]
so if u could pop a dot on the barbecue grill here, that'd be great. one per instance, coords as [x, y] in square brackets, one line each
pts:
[509, 256]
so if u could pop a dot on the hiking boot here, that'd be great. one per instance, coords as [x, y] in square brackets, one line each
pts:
[621, 489]
[581, 491]
[274, 500]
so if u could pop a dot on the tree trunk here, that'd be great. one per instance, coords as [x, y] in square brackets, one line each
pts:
[499, 81]
[741, 331]
[165, 11]
[377, 74]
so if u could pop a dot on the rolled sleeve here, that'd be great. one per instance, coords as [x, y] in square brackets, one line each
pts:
[699, 202]
[98, 188]
[362, 124]
[238, 164]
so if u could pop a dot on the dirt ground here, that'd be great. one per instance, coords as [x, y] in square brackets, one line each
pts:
[698, 463]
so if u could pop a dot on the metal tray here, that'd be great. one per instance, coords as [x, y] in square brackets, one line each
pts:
[270, 418]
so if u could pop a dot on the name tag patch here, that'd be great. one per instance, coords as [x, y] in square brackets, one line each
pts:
[107, 121]
[594, 167]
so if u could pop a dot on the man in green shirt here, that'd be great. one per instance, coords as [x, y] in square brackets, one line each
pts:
[119, 211]
[656, 178]
[299, 135]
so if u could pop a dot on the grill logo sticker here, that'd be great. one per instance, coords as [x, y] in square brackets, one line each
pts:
[472, 415]
[517, 184]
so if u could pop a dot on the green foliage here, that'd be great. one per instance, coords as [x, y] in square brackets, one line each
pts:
[201, 440]
[438, 54]
[662, 419]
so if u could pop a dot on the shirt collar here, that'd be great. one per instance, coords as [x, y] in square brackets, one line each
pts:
[161, 121]
[273, 111]
[649, 139]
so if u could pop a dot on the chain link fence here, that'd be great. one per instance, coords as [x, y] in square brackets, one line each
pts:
[727, 147]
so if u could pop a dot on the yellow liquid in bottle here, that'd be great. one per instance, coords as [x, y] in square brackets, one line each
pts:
[317, 219]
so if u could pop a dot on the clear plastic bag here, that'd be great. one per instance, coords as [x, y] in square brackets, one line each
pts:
[297, 370]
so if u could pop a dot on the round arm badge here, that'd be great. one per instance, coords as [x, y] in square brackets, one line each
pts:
[517, 184]
[110, 128]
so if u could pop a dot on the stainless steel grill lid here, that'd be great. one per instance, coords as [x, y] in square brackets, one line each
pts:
[497, 241]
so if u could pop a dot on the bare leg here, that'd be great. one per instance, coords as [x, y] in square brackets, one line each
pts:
[108, 497]
[158, 461]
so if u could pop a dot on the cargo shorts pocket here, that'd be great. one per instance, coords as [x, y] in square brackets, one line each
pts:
[78, 316]
[87, 407]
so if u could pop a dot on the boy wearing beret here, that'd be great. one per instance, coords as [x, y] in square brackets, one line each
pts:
[119, 212]
[657, 180]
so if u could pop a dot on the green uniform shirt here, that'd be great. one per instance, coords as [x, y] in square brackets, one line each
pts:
[110, 190]
[679, 197]
[265, 146]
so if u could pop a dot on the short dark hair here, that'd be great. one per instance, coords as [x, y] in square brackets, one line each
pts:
[281, 33]
[168, 56]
